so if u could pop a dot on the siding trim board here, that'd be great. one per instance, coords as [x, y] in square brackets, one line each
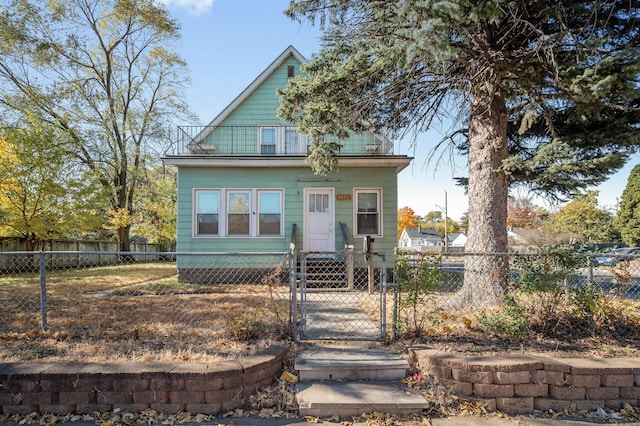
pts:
[398, 162]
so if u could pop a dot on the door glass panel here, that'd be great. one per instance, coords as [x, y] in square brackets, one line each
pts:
[312, 203]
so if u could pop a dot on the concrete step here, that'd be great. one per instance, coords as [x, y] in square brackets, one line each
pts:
[350, 364]
[344, 399]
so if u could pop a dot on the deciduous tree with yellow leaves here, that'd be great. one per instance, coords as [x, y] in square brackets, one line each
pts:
[407, 218]
[42, 194]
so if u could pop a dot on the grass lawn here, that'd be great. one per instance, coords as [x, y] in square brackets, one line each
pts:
[137, 312]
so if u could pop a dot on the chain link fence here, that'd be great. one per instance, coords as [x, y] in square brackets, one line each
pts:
[614, 274]
[342, 296]
[150, 298]
[155, 298]
[559, 292]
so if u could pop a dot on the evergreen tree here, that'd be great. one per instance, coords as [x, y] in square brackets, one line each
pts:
[628, 216]
[559, 78]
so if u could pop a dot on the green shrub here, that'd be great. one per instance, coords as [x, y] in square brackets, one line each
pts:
[548, 269]
[417, 276]
[508, 321]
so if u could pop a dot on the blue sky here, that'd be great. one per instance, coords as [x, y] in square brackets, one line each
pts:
[227, 43]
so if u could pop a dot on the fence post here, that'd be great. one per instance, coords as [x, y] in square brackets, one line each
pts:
[383, 296]
[293, 305]
[349, 260]
[43, 291]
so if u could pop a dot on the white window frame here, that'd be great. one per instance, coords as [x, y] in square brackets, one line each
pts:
[280, 212]
[250, 212]
[303, 141]
[196, 212]
[378, 192]
[280, 132]
[276, 138]
[223, 212]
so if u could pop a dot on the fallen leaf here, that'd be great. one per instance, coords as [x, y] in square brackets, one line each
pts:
[288, 377]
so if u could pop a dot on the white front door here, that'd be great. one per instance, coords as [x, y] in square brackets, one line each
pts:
[319, 226]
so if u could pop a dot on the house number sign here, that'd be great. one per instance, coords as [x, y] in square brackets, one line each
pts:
[343, 197]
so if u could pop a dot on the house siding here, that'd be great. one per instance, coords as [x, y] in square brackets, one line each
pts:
[292, 181]
[261, 106]
[225, 155]
[238, 132]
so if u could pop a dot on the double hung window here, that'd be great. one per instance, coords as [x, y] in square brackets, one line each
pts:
[268, 140]
[269, 213]
[238, 212]
[207, 212]
[282, 140]
[368, 216]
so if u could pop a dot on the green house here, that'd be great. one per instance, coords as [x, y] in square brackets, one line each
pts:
[244, 184]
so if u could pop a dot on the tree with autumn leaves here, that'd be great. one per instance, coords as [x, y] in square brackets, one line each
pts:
[407, 218]
[104, 73]
[43, 195]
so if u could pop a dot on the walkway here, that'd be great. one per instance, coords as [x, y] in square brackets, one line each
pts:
[340, 316]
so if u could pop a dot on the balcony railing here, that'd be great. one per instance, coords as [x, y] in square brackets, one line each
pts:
[266, 140]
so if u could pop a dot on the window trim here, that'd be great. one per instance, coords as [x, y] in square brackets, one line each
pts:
[275, 144]
[378, 191]
[280, 192]
[251, 210]
[196, 191]
[223, 207]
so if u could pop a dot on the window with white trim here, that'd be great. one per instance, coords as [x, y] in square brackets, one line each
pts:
[268, 140]
[207, 213]
[295, 142]
[269, 213]
[282, 140]
[238, 212]
[368, 213]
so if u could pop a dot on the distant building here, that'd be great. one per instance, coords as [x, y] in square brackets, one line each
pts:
[420, 239]
[457, 240]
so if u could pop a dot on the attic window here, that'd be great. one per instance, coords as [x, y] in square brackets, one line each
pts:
[290, 71]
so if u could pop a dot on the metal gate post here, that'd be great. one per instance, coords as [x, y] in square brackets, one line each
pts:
[294, 295]
[383, 296]
[303, 295]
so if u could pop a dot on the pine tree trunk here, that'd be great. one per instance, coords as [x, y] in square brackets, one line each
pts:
[486, 267]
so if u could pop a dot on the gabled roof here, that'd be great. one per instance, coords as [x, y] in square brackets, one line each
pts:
[429, 234]
[289, 51]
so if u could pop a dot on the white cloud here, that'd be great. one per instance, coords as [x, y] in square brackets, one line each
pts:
[193, 6]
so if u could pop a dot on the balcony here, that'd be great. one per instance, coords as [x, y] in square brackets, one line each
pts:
[265, 141]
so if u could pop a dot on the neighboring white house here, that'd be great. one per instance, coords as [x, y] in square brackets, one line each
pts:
[420, 239]
[427, 239]
[457, 240]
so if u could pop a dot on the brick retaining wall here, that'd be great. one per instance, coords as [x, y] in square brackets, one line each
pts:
[520, 384]
[167, 387]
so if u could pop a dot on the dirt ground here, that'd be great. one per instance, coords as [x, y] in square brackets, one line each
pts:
[142, 313]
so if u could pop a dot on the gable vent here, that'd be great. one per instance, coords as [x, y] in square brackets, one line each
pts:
[290, 71]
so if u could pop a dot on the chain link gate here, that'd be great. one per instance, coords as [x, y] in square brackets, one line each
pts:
[340, 296]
